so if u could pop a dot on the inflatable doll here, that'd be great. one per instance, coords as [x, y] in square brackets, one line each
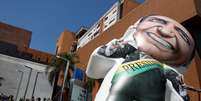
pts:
[146, 64]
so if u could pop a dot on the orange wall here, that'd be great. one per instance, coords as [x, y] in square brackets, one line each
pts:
[128, 5]
[21, 38]
[14, 35]
[38, 55]
[65, 42]
[192, 77]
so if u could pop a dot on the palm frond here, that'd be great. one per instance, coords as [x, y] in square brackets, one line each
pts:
[89, 84]
[58, 64]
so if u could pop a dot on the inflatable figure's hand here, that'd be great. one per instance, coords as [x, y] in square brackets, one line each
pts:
[113, 46]
[116, 49]
[107, 50]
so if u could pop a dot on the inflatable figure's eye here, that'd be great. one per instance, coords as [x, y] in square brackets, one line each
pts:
[158, 20]
[183, 35]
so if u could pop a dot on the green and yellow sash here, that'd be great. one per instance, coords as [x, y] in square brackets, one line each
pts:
[136, 67]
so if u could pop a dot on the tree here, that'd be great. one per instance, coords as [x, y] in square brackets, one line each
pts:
[89, 84]
[58, 64]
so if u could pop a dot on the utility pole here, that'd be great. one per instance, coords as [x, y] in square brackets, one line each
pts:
[65, 76]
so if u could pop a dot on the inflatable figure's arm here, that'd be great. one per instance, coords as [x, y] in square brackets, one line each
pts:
[177, 81]
[116, 49]
[112, 54]
[107, 56]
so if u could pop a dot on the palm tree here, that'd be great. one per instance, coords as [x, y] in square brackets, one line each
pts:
[89, 84]
[58, 65]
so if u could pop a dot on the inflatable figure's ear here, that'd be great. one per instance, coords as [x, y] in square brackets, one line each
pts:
[138, 22]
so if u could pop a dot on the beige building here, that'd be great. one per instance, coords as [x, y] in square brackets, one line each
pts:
[23, 68]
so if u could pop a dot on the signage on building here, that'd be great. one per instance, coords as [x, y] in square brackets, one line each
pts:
[78, 93]
[109, 19]
[92, 33]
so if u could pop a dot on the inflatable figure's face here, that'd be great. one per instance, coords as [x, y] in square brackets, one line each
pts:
[164, 39]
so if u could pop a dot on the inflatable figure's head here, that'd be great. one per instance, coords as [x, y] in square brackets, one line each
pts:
[164, 39]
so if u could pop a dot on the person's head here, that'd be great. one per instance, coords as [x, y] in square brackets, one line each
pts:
[21, 99]
[44, 99]
[11, 96]
[48, 99]
[32, 98]
[164, 39]
[38, 99]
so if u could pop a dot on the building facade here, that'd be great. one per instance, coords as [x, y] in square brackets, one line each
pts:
[124, 13]
[23, 68]
[23, 78]
[14, 35]
[64, 42]
[15, 42]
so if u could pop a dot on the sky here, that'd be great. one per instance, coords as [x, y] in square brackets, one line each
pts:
[48, 18]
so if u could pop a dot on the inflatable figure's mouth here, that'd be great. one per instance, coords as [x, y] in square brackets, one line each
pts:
[161, 41]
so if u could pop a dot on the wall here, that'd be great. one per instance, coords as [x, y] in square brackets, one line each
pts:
[9, 67]
[127, 6]
[38, 56]
[15, 41]
[124, 8]
[161, 7]
[15, 35]
[65, 42]
[192, 77]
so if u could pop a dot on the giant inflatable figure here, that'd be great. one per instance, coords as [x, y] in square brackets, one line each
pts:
[146, 64]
